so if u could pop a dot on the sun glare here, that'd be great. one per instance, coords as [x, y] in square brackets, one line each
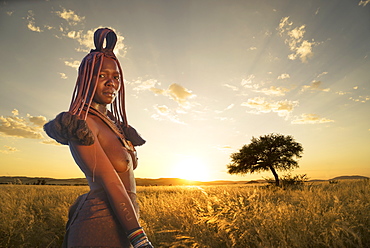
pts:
[191, 168]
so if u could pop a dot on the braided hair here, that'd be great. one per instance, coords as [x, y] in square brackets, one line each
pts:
[87, 80]
[72, 125]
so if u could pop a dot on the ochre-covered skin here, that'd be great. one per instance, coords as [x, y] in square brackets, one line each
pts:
[107, 164]
[97, 138]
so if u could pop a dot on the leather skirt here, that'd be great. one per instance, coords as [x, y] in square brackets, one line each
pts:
[92, 223]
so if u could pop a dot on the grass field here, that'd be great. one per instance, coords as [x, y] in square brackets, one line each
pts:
[314, 215]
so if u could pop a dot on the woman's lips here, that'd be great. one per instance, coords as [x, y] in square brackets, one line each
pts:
[110, 94]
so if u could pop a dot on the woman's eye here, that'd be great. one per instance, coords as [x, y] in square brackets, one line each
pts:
[101, 76]
[116, 77]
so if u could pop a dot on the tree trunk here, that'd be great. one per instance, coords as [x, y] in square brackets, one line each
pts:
[277, 181]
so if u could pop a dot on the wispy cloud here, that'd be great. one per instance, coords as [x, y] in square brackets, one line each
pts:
[31, 22]
[232, 87]
[361, 99]
[63, 75]
[273, 91]
[176, 92]
[179, 94]
[225, 148]
[284, 76]
[50, 142]
[294, 38]
[144, 85]
[29, 127]
[86, 40]
[282, 108]
[322, 74]
[363, 2]
[315, 86]
[225, 109]
[74, 64]
[165, 113]
[72, 27]
[70, 16]
[247, 82]
[310, 119]
[9, 149]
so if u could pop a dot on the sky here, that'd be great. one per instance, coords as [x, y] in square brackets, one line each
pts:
[202, 78]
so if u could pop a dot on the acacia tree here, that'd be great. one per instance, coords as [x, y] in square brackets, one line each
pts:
[269, 152]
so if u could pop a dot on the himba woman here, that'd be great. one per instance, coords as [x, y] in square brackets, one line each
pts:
[102, 144]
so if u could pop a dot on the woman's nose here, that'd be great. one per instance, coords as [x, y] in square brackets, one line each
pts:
[110, 82]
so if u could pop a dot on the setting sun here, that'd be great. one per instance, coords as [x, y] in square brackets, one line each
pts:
[191, 168]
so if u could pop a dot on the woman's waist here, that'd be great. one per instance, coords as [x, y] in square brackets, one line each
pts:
[128, 182]
[97, 191]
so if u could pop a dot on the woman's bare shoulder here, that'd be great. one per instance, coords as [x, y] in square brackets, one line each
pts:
[93, 123]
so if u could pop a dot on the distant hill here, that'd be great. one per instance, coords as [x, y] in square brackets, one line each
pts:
[144, 181]
[349, 177]
[178, 181]
[42, 180]
[83, 181]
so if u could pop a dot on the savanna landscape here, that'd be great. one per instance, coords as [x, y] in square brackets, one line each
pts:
[313, 214]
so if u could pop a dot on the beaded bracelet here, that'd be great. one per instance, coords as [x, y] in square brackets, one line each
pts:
[138, 238]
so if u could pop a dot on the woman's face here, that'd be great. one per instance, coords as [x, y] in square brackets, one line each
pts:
[108, 82]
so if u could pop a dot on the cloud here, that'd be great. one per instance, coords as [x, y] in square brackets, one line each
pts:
[86, 40]
[9, 149]
[15, 112]
[248, 81]
[176, 92]
[294, 38]
[179, 94]
[252, 48]
[315, 85]
[322, 74]
[361, 99]
[70, 16]
[232, 87]
[141, 85]
[310, 119]
[304, 51]
[225, 148]
[63, 75]
[69, 28]
[342, 93]
[225, 109]
[50, 142]
[31, 22]
[37, 120]
[284, 76]
[30, 127]
[163, 112]
[74, 64]
[363, 2]
[274, 91]
[282, 108]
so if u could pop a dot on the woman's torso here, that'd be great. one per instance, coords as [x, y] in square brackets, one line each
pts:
[116, 153]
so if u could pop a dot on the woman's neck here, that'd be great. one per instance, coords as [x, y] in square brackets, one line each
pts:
[100, 107]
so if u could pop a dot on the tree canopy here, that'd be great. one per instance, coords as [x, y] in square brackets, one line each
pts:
[268, 152]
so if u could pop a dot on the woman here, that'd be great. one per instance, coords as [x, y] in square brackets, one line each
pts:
[102, 144]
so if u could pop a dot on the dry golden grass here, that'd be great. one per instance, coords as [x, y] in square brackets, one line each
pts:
[320, 215]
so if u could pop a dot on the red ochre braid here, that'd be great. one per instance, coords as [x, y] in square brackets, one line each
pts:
[86, 82]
